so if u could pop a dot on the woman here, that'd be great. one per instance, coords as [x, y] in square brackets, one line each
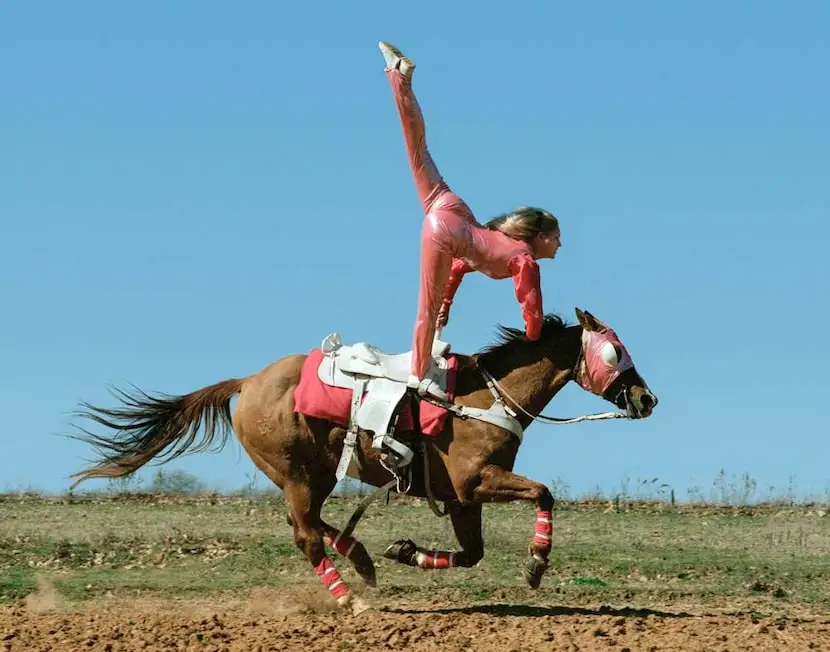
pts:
[454, 243]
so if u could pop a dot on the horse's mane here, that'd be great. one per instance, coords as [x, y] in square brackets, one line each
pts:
[511, 342]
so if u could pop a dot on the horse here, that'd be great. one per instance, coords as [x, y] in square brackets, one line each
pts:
[471, 459]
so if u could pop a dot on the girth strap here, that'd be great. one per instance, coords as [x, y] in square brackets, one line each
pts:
[351, 435]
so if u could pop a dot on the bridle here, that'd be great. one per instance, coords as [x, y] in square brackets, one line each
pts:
[578, 376]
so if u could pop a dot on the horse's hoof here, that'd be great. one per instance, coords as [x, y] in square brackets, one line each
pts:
[363, 564]
[367, 573]
[353, 603]
[359, 605]
[533, 569]
[402, 551]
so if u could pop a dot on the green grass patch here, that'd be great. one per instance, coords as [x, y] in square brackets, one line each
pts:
[170, 547]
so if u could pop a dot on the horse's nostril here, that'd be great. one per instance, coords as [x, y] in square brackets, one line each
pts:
[648, 401]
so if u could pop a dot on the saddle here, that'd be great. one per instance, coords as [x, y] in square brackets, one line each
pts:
[378, 381]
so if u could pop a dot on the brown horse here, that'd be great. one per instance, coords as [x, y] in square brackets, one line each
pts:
[470, 460]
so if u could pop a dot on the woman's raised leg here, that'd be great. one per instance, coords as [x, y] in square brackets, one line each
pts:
[436, 252]
[428, 179]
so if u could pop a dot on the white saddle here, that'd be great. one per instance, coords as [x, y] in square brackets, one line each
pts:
[341, 363]
[381, 379]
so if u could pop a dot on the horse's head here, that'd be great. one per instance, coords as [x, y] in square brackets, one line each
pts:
[606, 369]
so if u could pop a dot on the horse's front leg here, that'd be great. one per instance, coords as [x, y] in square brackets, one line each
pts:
[498, 485]
[466, 521]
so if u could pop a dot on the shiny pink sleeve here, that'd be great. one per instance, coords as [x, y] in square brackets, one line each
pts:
[457, 271]
[526, 280]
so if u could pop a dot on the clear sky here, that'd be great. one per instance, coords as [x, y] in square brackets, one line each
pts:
[191, 190]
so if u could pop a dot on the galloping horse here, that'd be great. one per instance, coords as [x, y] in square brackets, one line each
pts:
[471, 460]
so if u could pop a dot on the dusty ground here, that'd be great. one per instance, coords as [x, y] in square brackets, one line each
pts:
[306, 621]
[192, 575]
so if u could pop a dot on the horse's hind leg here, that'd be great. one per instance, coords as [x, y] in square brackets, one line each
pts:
[308, 527]
[466, 521]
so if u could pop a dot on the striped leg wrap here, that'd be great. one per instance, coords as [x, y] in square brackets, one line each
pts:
[544, 531]
[435, 559]
[342, 545]
[331, 579]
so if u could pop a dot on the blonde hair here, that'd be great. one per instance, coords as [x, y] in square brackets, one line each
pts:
[524, 223]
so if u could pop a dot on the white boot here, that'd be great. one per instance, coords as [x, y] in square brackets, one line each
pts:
[440, 348]
[395, 59]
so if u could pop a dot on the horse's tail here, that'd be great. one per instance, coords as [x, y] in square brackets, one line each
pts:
[163, 427]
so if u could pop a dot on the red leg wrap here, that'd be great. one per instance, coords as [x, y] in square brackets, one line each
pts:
[331, 578]
[544, 530]
[435, 559]
[342, 546]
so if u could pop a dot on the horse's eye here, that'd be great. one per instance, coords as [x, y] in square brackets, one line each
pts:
[609, 354]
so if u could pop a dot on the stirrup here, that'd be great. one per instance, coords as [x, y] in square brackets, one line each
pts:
[402, 454]
[397, 459]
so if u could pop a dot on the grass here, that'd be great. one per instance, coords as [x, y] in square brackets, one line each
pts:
[644, 553]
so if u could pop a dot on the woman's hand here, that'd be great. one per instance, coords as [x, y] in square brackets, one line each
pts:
[443, 315]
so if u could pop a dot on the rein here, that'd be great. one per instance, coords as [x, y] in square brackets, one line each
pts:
[500, 394]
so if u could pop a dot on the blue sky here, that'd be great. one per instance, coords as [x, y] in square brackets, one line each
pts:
[191, 190]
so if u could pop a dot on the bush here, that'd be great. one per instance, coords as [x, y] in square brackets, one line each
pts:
[178, 483]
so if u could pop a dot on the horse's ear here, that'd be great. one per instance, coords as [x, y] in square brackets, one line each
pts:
[582, 318]
[588, 321]
[598, 324]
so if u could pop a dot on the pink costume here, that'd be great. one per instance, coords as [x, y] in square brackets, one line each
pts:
[453, 242]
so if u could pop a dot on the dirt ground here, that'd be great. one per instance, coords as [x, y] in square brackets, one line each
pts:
[307, 621]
